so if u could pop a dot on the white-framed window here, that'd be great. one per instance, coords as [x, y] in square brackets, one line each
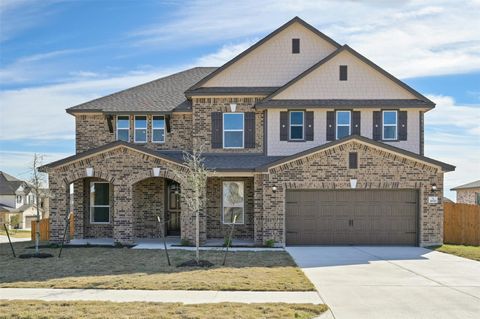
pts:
[233, 202]
[158, 129]
[19, 199]
[389, 122]
[343, 127]
[140, 129]
[296, 120]
[123, 128]
[233, 130]
[99, 203]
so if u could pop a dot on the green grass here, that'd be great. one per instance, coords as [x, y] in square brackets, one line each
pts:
[124, 268]
[470, 252]
[107, 310]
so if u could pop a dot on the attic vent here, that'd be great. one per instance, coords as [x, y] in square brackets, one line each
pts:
[295, 46]
[343, 73]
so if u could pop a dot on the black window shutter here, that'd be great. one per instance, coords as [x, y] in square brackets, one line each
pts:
[343, 73]
[168, 123]
[377, 125]
[295, 45]
[330, 125]
[402, 125]
[353, 160]
[283, 126]
[249, 129]
[309, 126]
[356, 122]
[217, 130]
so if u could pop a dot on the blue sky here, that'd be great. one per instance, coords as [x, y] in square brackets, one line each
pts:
[55, 54]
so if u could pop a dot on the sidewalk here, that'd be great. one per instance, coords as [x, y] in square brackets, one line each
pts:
[183, 296]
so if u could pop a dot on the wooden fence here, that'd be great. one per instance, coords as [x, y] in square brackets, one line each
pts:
[45, 228]
[461, 224]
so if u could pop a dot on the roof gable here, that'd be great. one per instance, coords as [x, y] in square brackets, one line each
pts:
[270, 62]
[365, 81]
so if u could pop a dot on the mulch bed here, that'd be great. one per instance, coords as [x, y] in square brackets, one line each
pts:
[33, 255]
[193, 263]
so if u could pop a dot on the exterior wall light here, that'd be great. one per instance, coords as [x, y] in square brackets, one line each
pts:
[156, 171]
[89, 171]
[274, 189]
[353, 183]
[233, 107]
[434, 188]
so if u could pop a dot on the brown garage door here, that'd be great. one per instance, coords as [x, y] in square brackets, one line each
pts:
[351, 217]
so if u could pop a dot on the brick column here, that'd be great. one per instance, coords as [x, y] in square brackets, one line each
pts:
[258, 209]
[123, 214]
[78, 208]
[58, 208]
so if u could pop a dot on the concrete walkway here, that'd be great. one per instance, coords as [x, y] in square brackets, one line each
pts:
[183, 296]
[392, 282]
[4, 239]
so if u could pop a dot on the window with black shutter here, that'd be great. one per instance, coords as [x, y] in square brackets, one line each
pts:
[343, 73]
[295, 46]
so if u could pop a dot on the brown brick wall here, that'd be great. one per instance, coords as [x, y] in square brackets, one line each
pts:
[215, 226]
[92, 131]
[467, 196]
[202, 121]
[148, 203]
[377, 170]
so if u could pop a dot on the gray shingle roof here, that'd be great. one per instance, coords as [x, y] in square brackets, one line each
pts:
[229, 162]
[162, 95]
[8, 184]
[475, 184]
[262, 90]
[347, 104]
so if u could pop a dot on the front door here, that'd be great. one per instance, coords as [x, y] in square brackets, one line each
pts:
[173, 209]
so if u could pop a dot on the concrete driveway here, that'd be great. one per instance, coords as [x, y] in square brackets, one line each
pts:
[392, 282]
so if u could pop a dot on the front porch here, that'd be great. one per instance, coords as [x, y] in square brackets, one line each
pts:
[124, 196]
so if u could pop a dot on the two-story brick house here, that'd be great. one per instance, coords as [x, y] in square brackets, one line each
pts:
[311, 143]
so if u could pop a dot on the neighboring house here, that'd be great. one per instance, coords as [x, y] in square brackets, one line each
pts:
[311, 143]
[468, 193]
[18, 202]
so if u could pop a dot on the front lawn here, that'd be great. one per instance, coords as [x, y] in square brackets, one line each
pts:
[92, 309]
[124, 268]
[470, 252]
[16, 233]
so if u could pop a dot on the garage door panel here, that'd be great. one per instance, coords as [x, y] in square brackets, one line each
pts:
[351, 217]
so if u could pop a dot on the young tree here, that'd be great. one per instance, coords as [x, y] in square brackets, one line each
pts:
[37, 182]
[195, 178]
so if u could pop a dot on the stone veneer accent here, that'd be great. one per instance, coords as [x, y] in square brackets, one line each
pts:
[215, 226]
[328, 169]
[202, 121]
[92, 131]
[467, 196]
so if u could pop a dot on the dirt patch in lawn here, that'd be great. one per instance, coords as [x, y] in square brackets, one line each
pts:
[470, 252]
[85, 309]
[124, 268]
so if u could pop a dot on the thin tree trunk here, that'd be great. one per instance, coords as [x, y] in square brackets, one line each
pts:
[37, 228]
[197, 235]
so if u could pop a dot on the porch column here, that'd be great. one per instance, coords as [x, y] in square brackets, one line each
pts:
[123, 214]
[188, 221]
[258, 209]
[58, 208]
[78, 208]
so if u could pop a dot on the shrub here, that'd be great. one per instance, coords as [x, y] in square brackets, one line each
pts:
[185, 242]
[270, 243]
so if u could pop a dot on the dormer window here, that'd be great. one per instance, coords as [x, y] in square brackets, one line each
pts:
[343, 73]
[123, 128]
[295, 46]
[140, 133]
[19, 199]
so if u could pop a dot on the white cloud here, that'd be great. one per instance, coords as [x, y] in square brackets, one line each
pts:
[39, 112]
[453, 136]
[408, 38]
[226, 53]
